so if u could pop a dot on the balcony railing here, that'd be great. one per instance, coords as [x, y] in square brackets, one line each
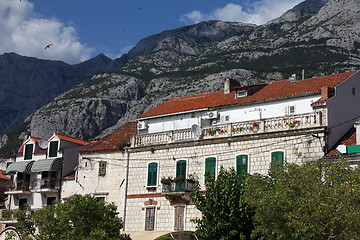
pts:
[19, 187]
[177, 186]
[233, 129]
[45, 184]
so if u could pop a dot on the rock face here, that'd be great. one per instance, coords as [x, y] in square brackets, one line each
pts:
[29, 83]
[319, 36]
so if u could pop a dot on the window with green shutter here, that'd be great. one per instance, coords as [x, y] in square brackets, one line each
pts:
[28, 151]
[102, 168]
[210, 167]
[277, 158]
[53, 149]
[241, 164]
[181, 168]
[152, 174]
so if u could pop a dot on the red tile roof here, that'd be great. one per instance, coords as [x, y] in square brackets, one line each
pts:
[115, 140]
[73, 140]
[348, 139]
[2, 175]
[272, 91]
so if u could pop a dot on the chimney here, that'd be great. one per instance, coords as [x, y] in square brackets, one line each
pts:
[357, 130]
[325, 92]
[230, 84]
[293, 78]
[227, 86]
[303, 74]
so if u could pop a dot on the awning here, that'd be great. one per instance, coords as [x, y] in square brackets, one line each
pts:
[46, 165]
[22, 166]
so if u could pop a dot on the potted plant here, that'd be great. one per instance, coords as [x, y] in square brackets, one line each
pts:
[180, 178]
[166, 180]
[255, 127]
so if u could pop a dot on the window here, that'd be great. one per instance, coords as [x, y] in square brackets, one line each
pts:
[102, 168]
[181, 168]
[98, 199]
[353, 90]
[50, 200]
[210, 167]
[289, 110]
[277, 158]
[22, 202]
[28, 151]
[241, 93]
[241, 164]
[53, 149]
[152, 174]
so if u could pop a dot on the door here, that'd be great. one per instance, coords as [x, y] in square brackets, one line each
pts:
[179, 218]
[150, 219]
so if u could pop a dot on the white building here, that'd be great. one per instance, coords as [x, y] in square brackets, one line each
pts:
[244, 127]
[38, 170]
[102, 169]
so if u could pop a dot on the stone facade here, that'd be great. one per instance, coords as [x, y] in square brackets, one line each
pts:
[297, 145]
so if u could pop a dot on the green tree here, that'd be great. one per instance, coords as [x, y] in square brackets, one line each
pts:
[315, 200]
[224, 213]
[80, 217]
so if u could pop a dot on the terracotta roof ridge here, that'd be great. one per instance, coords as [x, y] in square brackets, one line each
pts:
[71, 139]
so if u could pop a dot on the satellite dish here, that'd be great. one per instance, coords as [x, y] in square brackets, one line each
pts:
[341, 148]
[43, 144]
[196, 129]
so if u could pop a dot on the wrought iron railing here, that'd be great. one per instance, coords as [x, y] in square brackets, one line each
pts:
[46, 183]
[172, 186]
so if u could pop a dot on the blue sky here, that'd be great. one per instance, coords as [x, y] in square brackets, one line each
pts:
[79, 30]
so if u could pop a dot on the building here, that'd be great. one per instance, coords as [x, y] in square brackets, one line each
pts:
[38, 169]
[102, 169]
[244, 127]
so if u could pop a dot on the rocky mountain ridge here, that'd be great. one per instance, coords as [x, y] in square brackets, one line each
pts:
[319, 36]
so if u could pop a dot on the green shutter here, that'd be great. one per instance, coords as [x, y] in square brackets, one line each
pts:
[278, 157]
[241, 164]
[181, 168]
[102, 168]
[53, 149]
[28, 151]
[152, 174]
[210, 166]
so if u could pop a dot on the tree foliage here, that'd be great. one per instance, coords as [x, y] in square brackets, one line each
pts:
[80, 217]
[315, 200]
[224, 213]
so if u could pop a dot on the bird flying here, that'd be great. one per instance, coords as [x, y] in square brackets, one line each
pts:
[48, 46]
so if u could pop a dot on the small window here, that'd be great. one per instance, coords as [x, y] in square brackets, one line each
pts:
[102, 168]
[28, 151]
[289, 110]
[277, 158]
[241, 164]
[210, 168]
[152, 174]
[241, 93]
[353, 90]
[22, 202]
[53, 149]
[50, 200]
[98, 199]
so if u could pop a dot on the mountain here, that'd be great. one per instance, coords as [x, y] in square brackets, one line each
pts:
[319, 36]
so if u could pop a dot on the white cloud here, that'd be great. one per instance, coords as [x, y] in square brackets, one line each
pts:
[25, 33]
[257, 12]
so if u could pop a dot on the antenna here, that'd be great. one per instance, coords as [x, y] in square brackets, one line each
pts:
[43, 144]
[341, 148]
[196, 129]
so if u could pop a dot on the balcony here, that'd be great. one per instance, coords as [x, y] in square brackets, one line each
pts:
[19, 188]
[288, 123]
[177, 191]
[46, 185]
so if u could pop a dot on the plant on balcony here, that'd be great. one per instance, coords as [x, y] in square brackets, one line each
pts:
[212, 132]
[179, 178]
[237, 130]
[294, 123]
[255, 127]
[166, 179]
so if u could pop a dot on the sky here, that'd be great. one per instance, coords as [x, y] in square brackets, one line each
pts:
[79, 30]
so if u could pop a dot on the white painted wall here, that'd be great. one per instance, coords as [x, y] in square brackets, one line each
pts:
[343, 108]
[236, 114]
